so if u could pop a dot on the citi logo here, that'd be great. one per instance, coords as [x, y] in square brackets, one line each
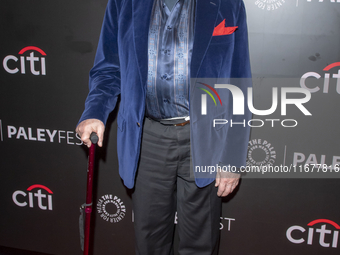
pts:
[326, 81]
[34, 197]
[37, 65]
[327, 237]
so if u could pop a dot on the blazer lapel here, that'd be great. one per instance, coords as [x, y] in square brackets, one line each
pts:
[141, 20]
[205, 19]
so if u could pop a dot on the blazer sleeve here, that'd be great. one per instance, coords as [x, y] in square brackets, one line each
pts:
[235, 153]
[104, 82]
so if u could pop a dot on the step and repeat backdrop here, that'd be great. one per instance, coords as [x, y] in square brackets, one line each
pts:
[288, 200]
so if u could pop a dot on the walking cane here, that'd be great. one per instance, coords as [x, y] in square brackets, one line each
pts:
[86, 209]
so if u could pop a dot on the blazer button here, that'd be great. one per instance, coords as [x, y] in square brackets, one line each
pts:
[138, 124]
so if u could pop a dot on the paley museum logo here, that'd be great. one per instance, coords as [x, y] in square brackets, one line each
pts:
[269, 5]
[272, 5]
[238, 104]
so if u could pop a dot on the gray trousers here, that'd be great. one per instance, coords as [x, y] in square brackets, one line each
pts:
[164, 185]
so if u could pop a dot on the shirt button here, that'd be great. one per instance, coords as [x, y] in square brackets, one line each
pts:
[138, 124]
[169, 27]
[164, 77]
[166, 52]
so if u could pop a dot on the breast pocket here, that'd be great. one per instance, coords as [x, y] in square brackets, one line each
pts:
[222, 39]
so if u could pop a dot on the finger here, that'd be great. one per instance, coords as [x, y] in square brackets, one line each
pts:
[87, 134]
[79, 130]
[86, 138]
[100, 134]
[230, 188]
[217, 179]
[235, 184]
[221, 188]
[227, 190]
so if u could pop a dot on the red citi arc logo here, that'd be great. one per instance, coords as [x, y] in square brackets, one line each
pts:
[327, 81]
[327, 237]
[43, 201]
[11, 65]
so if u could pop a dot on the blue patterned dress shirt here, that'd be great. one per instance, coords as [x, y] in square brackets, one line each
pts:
[170, 43]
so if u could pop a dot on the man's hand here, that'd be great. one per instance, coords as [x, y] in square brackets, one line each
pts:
[226, 182]
[86, 127]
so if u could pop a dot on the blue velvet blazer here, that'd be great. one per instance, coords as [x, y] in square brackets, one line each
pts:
[121, 68]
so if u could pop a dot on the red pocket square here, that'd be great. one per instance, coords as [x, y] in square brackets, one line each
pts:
[221, 29]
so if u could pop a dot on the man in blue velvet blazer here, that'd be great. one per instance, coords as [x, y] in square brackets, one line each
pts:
[220, 51]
